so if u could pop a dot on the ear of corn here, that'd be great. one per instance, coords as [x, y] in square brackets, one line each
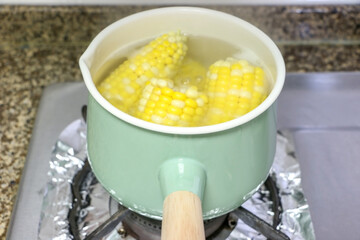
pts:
[160, 58]
[159, 103]
[234, 87]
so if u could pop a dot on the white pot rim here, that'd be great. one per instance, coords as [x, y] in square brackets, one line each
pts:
[277, 87]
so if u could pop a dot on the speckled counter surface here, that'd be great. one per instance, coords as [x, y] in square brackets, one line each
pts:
[41, 45]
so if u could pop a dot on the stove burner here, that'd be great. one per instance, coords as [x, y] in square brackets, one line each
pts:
[129, 223]
[144, 228]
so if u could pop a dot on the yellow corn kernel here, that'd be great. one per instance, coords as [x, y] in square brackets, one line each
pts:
[192, 92]
[235, 86]
[185, 117]
[231, 106]
[173, 117]
[156, 119]
[189, 110]
[175, 110]
[249, 77]
[149, 111]
[150, 104]
[179, 96]
[167, 91]
[154, 97]
[165, 99]
[236, 66]
[161, 104]
[178, 103]
[157, 90]
[244, 105]
[160, 112]
[190, 103]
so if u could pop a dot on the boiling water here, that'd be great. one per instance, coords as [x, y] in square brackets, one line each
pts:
[214, 102]
[205, 50]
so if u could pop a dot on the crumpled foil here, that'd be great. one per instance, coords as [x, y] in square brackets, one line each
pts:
[69, 154]
[295, 219]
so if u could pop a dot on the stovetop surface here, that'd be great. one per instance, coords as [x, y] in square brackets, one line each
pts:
[320, 109]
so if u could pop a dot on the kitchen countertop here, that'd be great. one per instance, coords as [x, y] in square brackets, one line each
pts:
[41, 45]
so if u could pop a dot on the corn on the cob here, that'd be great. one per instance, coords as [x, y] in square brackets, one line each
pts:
[160, 58]
[159, 103]
[234, 87]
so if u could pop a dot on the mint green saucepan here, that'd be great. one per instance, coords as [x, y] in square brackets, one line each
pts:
[178, 174]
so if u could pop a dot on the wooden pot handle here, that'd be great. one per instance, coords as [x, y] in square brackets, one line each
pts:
[182, 217]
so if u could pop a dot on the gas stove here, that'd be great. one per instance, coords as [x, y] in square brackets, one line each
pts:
[319, 110]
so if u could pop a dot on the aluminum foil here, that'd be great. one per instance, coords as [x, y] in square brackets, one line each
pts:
[295, 219]
[69, 154]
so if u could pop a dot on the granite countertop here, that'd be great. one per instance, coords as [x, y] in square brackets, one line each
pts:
[41, 45]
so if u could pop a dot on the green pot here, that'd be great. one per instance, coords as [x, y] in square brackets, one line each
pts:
[141, 163]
